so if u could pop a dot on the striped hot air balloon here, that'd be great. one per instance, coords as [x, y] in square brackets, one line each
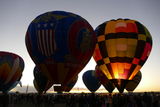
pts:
[11, 68]
[61, 44]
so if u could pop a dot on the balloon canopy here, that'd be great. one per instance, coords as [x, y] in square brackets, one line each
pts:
[123, 46]
[61, 44]
[108, 85]
[41, 82]
[132, 84]
[90, 80]
[11, 68]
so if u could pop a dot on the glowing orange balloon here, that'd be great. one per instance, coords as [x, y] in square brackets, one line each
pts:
[122, 48]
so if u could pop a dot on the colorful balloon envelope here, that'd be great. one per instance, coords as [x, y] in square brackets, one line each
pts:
[132, 84]
[90, 80]
[61, 44]
[11, 68]
[123, 46]
[41, 82]
[108, 85]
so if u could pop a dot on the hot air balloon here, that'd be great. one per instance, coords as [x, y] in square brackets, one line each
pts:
[108, 85]
[10, 86]
[123, 46]
[37, 87]
[71, 84]
[68, 87]
[132, 84]
[41, 82]
[11, 68]
[90, 80]
[60, 44]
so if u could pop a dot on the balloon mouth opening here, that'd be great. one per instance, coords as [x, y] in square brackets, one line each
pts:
[120, 84]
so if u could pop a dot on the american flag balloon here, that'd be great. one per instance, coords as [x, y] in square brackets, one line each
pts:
[61, 44]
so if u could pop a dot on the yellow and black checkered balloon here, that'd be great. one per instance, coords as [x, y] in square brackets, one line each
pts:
[123, 46]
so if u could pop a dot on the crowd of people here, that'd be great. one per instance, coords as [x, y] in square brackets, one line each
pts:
[145, 99]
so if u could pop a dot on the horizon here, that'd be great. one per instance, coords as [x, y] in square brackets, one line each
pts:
[101, 89]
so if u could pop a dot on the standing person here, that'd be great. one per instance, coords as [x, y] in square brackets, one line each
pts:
[147, 99]
[109, 101]
[5, 99]
[82, 100]
[115, 100]
[132, 102]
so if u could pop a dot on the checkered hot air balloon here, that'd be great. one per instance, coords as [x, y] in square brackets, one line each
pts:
[123, 46]
[61, 44]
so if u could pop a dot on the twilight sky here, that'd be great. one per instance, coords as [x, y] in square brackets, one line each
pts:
[16, 15]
